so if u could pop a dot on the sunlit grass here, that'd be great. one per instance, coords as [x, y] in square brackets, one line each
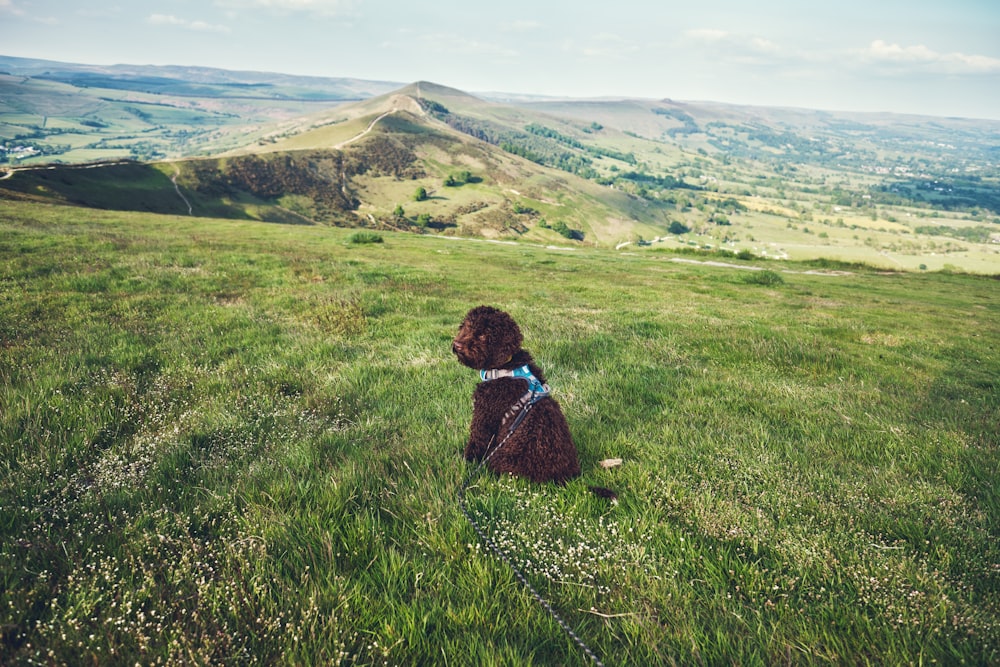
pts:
[238, 443]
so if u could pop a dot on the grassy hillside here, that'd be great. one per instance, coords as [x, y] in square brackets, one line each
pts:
[897, 192]
[355, 169]
[233, 442]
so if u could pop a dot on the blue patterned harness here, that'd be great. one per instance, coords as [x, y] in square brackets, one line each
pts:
[536, 392]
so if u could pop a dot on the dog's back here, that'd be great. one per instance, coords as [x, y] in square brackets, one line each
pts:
[540, 447]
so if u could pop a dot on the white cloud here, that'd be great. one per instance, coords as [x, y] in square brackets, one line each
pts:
[521, 26]
[465, 46]
[922, 57]
[733, 42]
[762, 45]
[707, 34]
[8, 7]
[608, 45]
[164, 19]
[737, 47]
[328, 7]
[171, 20]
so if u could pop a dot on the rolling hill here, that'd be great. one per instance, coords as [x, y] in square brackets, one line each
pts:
[899, 192]
[70, 112]
[355, 164]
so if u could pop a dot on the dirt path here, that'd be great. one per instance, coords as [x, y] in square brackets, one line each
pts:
[400, 103]
[9, 171]
[727, 265]
[368, 129]
[177, 189]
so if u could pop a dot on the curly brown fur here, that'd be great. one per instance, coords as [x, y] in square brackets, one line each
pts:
[541, 447]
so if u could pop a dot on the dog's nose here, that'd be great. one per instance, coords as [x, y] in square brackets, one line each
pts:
[456, 347]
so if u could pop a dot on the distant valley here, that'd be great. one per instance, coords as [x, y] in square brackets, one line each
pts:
[898, 192]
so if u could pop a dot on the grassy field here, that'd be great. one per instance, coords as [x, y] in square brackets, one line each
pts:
[230, 442]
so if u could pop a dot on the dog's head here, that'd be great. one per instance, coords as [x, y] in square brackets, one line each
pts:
[487, 338]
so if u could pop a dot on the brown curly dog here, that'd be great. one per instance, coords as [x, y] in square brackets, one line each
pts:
[513, 394]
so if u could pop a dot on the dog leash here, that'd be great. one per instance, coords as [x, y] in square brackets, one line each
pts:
[500, 553]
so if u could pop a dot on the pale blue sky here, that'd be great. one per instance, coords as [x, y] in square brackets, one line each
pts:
[911, 56]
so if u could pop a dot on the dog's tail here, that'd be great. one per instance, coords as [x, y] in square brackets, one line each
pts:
[602, 492]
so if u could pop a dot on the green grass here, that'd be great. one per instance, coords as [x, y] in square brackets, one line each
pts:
[233, 442]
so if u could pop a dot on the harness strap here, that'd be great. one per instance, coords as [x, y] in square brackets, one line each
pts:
[536, 392]
[522, 373]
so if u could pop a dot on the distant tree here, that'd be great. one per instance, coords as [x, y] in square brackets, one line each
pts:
[563, 229]
[399, 212]
[420, 194]
[432, 106]
[461, 178]
[678, 228]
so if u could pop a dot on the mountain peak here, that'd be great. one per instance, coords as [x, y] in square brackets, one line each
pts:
[438, 93]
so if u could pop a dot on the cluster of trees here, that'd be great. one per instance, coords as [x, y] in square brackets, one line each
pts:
[542, 131]
[563, 229]
[521, 150]
[596, 151]
[573, 163]
[689, 126]
[146, 151]
[460, 178]
[423, 220]
[666, 182]
[978, 234]
[433, 107]
[951, 192]
[540, 144]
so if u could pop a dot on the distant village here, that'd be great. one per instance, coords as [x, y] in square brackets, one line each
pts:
[16, 152]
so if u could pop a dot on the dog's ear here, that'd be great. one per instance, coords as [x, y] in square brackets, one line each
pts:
[504, 337]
